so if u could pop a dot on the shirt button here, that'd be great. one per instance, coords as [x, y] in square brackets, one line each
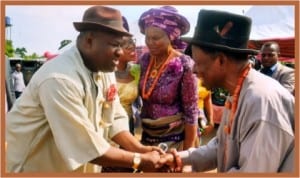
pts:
[97, 77]
[106, 105]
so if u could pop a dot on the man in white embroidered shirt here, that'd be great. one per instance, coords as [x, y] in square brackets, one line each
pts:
[70, 108]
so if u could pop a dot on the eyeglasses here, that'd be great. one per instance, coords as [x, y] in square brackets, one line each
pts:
[131, 42]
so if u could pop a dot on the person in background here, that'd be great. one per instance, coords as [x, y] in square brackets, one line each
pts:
[205, 118]
[167, 85]
[255, 63]
[60, 122]
[127, 75]
[256, 133]
[18, 80]
[9, 88]
[270, 52]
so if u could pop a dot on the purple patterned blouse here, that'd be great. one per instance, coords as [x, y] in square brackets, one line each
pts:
[176, 90]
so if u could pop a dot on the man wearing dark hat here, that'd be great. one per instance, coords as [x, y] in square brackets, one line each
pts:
[63, 119]
[256, 133]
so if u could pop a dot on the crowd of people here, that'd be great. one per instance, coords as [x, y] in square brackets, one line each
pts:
[79, 111]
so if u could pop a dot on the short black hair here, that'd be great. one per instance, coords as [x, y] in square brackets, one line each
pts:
[271, 43]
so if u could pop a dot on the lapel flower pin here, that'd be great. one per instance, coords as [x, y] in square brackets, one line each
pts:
[111, 93]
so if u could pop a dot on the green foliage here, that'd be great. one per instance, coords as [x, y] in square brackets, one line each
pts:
[64, 43]
[11, 52]
[219, 96]
[9, 49]
[21, 52]
[32, 56]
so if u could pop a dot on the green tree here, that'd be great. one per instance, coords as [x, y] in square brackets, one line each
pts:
[219, 96]
[64, 43]
[32, 56]
[9, 49]
[21, 51]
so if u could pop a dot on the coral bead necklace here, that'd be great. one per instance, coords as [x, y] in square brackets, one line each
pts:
[233, 105]
[155, 74]
[155, 67]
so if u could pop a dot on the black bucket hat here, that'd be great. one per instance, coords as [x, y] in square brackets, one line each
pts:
[223, 31]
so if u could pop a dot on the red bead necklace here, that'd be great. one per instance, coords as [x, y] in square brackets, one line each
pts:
[235, 97]
[154, 74]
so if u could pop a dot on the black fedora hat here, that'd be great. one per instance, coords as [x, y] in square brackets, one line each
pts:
[224, 31]
[101, 17]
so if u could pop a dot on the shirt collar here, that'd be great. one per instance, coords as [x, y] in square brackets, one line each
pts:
[274, 67]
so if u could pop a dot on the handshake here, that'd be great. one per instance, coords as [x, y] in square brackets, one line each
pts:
[160, 160]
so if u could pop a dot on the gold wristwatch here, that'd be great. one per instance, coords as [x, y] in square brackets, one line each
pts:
[136, 161]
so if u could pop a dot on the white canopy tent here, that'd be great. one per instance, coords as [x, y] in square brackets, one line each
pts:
[272, 22]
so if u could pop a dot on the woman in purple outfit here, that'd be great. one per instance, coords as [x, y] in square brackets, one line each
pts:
[167, 84]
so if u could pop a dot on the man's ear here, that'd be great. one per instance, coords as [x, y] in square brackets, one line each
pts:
[88, 39]
[222, 59]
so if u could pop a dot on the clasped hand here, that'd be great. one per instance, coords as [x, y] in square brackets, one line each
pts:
[160, 161]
